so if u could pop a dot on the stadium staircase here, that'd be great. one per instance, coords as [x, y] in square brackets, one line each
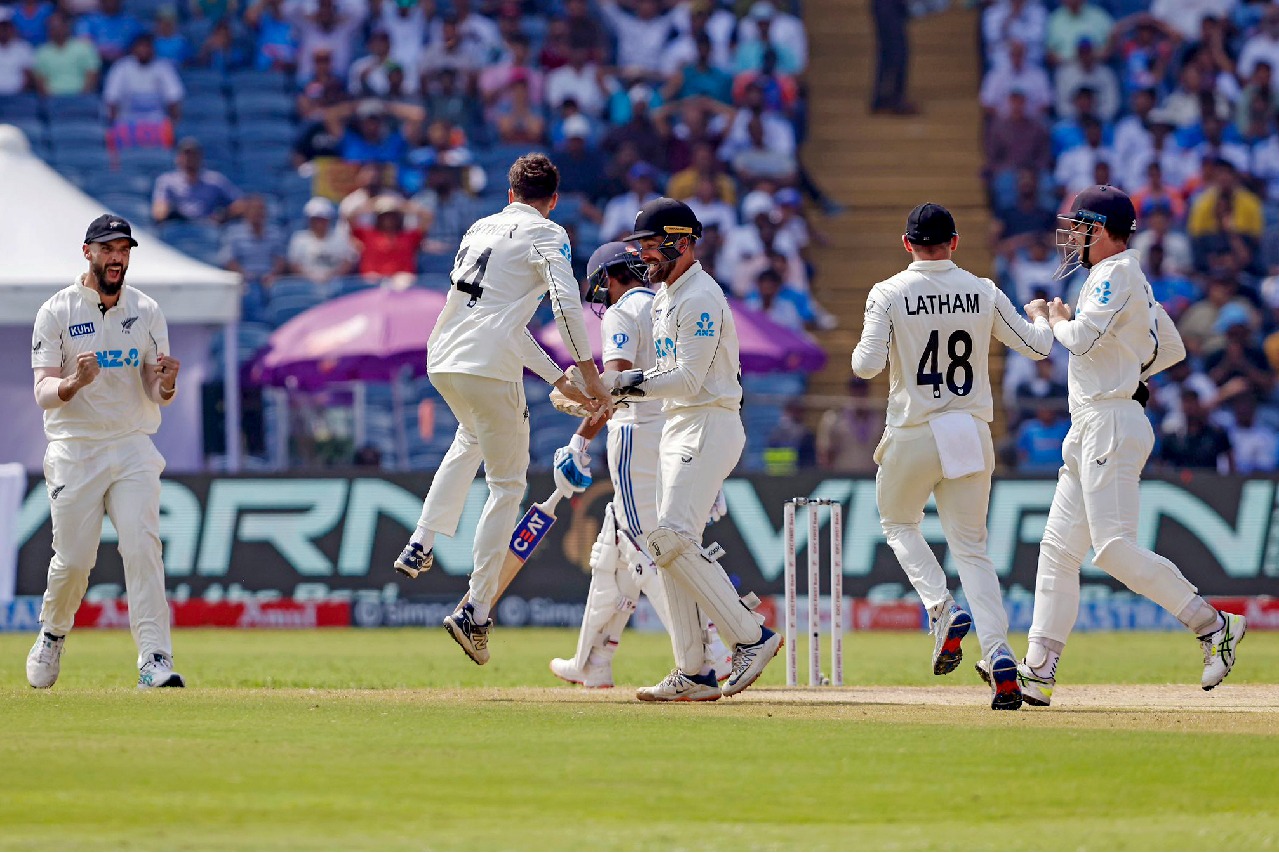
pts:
[881, 166]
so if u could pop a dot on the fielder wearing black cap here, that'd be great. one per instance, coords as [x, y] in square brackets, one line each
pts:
[108, 227]
[670, 220]
[930, 225]
[1099, 215]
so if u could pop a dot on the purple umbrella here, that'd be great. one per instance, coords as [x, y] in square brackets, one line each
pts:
[367, 336]
[766, 346]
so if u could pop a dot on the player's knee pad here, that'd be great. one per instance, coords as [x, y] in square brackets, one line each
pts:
[1145, 573]
[666, 545]
[604, 552]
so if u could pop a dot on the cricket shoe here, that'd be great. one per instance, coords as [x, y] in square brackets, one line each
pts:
[1000, 674]
[472, 637]
[749, 661]
[413, 561]
[950, 624]
[594, 676]
[158, 672]
[45, 660]
[1219, 649]
[719, 656]
[678, 687]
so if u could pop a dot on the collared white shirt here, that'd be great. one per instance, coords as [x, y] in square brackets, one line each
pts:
[626, 333]
[125, 337]
[932, 324]
[507, 262]
[695, 340]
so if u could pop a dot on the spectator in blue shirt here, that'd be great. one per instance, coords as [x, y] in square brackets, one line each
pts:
[1039, 440]
[30, 18]
[112, 30]
[255, 248]
[192, 192]
[170, 44]
[370, 140]
[785, 306]
[700, 78]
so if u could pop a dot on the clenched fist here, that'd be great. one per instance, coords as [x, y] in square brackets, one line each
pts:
[167, 367]
[86, 370]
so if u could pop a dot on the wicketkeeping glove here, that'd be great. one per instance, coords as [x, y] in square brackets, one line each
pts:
[627, 383]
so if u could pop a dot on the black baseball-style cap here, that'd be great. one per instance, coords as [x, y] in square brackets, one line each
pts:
[107, 227]
[665, 217]
[1109, 206]
[930, 225]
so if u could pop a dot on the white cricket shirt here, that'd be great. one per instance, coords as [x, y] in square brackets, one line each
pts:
[695, 340]
[507, 262]
[1119, 335]
[131, 334]
[932, 324]
[627, 333]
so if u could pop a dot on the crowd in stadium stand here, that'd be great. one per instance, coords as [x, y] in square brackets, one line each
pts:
[1175, 102]
[321, 146]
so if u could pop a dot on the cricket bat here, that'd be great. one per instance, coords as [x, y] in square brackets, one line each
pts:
[528, 534]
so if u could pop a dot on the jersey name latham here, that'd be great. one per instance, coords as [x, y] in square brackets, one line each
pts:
[945, 303]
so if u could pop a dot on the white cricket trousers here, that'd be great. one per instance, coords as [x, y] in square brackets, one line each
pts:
[699, 449]
[1097, 505]
[616, 586]
[86, 477]
[492, 428]
[909, 471]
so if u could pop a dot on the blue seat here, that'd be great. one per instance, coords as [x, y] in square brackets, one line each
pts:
[77, 134]
[148, 161]
[774, 384]
[128, 205]
[281, 309]
[21, 105]
[207, 106]
[36, 131]
[82, 160]
[260, 104]
[177, 230]
[269, 131]
[252, 80]
[435, 265]
[203, 81]
[349, 284]
[295, 285]
[65, 108]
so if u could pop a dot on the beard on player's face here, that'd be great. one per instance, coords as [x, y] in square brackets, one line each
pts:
[110, 276]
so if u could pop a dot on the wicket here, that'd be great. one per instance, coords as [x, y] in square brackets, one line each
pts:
[836, 512]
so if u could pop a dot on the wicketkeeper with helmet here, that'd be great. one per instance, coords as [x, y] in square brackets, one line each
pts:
[698, 378]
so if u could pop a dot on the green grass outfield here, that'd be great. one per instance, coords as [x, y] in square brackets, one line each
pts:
[392, 739]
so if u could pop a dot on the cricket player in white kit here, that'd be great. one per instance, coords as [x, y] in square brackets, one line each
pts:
[697, 375]
[932, 325]
[476, 357]
[102, 371]
[1118, 336]
[619, 571]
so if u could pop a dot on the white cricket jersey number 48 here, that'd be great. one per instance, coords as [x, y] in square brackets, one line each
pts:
[958, 364]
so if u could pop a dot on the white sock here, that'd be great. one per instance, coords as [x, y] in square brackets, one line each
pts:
[480, 614]
[423, 536]
[1042, 658]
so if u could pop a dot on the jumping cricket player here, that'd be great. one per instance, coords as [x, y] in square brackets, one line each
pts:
[932, 324]
[102, 371]
[697, 376]
[476, 356]
[1118, 336]
[620, 571]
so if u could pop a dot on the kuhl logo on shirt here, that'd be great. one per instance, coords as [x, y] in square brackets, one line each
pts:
[81, 329]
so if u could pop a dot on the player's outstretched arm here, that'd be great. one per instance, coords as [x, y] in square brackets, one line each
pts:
[1032, 339]
[870, 356]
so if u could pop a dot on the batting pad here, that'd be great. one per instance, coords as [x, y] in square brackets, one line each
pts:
[705, 580]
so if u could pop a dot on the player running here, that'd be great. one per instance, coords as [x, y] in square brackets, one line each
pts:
[620, 572]
[697, 375]
[1118, 337]
[102, 371]
[476, 356]
[936, 320]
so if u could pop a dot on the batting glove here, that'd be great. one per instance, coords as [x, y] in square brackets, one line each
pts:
[718, 509]
[572, 470]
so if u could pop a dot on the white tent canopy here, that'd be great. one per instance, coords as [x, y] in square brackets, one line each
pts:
[46, 219]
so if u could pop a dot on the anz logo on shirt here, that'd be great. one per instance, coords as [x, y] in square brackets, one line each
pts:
[665, 347]
[567, 253]
[117, 358]
[705, 327]
[1101, 293]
